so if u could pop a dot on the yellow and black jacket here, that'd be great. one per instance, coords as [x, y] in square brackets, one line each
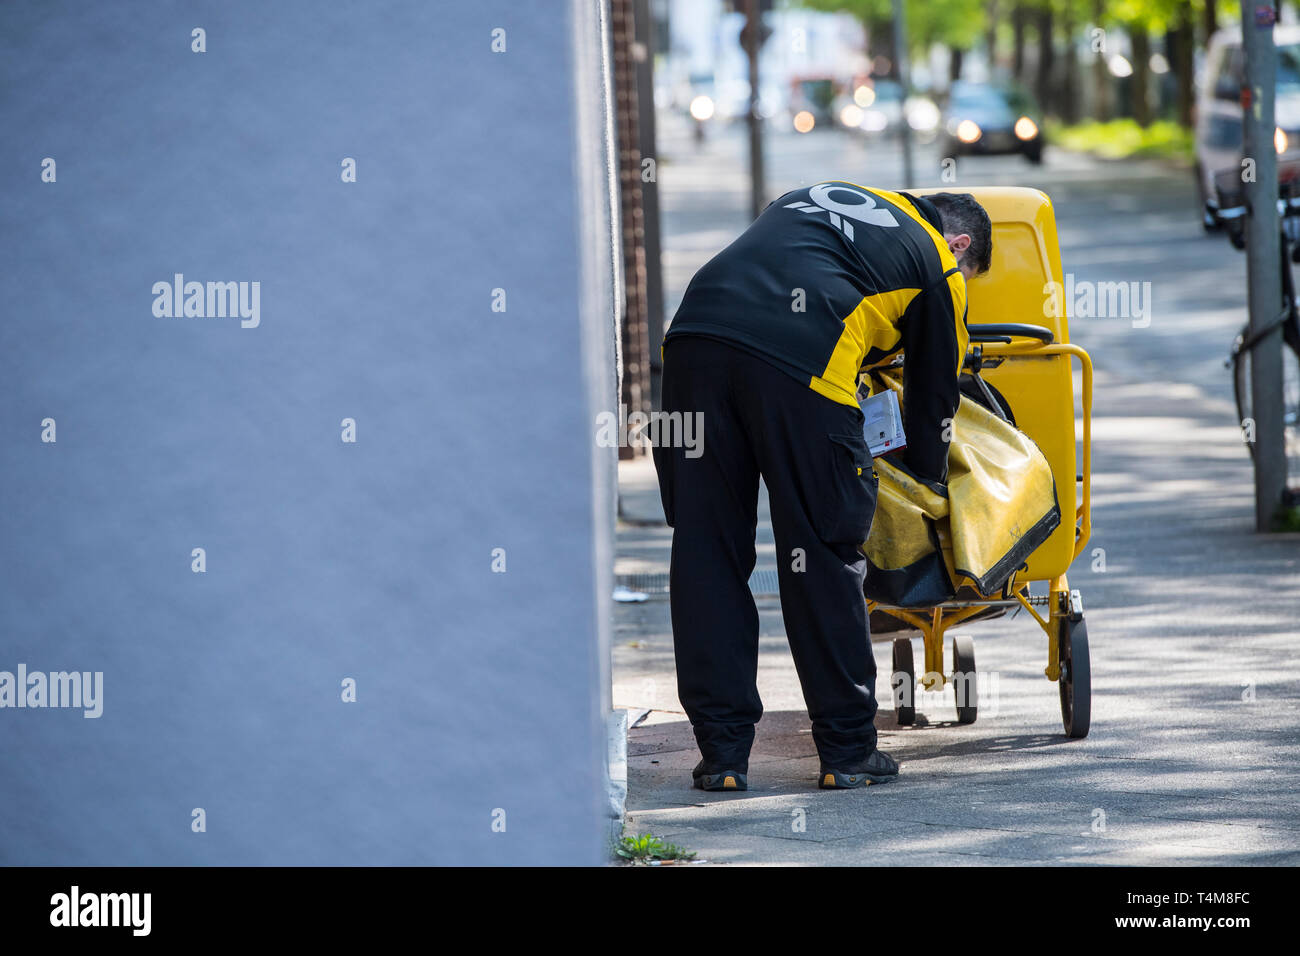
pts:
[836, 277]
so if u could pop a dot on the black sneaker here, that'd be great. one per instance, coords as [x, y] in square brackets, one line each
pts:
[877, 768]
[718, 779]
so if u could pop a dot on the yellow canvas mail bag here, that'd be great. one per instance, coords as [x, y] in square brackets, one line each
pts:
[1000, 505]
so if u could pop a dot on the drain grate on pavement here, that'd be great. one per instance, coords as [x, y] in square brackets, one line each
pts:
[763, 583]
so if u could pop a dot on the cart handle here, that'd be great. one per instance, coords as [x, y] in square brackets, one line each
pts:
[1002, 331]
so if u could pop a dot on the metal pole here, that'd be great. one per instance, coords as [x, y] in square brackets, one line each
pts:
[754, 40]
[1263, 251]
[905, 80]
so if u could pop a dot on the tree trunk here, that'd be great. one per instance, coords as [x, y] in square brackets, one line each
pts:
[1184, 40]
[1166, 102]
[1211, 19]
[880, 42]
[1044, 89]
[1141, 79]
[1101, 82]
[1069, 105]
[991, 34]
[895, 61]
[1018, 17]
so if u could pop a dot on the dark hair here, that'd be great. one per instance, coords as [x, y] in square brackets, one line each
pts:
[960, 213]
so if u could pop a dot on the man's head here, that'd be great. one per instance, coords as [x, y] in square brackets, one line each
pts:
[967, 230]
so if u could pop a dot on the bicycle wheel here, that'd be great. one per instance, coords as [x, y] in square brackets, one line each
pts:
[1241, 382]
[1241, 371]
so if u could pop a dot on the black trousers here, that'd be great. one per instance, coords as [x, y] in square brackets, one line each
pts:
[759, 420]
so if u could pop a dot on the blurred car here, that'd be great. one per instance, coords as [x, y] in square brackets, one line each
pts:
[981, 118]
[812, 101]
[881, 102]
[1218, 133]
[733, 101]
[923, 118]
[876, 108]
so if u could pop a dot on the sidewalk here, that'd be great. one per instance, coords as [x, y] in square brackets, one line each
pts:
[1177, 769]
[1194, 754]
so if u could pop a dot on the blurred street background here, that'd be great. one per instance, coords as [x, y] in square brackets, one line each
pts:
[1192, 614]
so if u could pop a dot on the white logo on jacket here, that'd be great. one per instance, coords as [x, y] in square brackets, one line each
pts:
[866, 211]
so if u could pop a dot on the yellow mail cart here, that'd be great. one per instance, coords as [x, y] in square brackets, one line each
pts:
[1021, 358]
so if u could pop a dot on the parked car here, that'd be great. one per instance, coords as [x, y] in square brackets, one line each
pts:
[1218, 135]
[982, 118]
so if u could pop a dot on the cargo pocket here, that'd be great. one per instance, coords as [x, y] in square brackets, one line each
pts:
[844, 511]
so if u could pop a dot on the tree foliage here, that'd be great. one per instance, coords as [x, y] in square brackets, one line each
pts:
[961, 23]
[954, 23]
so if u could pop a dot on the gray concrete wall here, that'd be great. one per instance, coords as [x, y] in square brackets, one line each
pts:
[325, 560]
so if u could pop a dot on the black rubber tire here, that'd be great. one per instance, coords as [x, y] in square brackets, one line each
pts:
[903, 681]
[1241, 382]
[1290, 401]
[964, 691]
[1076, 678]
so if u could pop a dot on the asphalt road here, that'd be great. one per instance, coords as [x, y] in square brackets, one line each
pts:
[1192, 617]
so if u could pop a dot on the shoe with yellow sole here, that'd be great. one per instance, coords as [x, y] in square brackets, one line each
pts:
[877, 768]
[706, 779]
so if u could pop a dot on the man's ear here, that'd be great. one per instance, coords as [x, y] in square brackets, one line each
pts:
[959, 243]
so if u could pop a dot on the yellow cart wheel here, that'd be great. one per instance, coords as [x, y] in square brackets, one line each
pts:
[963, 679]
[903, 680]
[1076, 677]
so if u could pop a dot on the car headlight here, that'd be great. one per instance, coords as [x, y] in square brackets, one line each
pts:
[873, 121]
[1026, 129]
[851, 115]
[1279, 140]
[804, 121]
[922, 116]
[968, 131]
[702, 107]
